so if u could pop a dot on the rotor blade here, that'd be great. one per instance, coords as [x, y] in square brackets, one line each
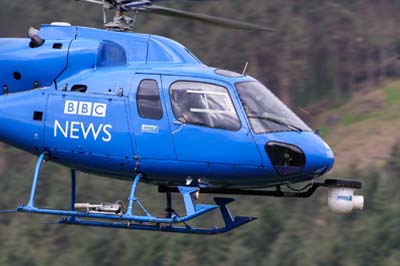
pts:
[135, 5]
[205, 18]
[92, 1]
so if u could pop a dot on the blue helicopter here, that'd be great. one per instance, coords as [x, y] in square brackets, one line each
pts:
[143, 108]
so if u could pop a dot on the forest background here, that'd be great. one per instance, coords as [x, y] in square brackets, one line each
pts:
[334, 62]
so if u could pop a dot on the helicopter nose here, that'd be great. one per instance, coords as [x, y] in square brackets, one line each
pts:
[306, 155]
[320, 159]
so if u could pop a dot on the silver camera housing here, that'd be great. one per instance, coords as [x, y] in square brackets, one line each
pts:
[343, 201]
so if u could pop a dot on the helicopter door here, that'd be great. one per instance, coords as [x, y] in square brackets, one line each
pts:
[150, 122]
[206, 126]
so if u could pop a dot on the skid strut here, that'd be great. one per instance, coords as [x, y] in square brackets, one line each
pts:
[129, 220]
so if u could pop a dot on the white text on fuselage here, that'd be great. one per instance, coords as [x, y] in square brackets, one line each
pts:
[85, 108]
[80, 130]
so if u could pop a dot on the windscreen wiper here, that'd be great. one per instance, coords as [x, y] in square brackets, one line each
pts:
[277, 121]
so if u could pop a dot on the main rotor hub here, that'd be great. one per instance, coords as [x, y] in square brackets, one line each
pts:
[121, 23]
[124, 23]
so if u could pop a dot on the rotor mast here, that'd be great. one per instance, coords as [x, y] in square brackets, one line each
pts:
[121, 22]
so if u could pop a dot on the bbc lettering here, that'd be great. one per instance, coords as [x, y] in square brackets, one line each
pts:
[85, 108]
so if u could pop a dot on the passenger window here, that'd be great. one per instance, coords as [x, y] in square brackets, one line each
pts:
[148, 100]
[203, 104]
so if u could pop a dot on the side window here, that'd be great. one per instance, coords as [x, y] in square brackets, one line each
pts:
[111, 54]
[148, 100]
[203, 104]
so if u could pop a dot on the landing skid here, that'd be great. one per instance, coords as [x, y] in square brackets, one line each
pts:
[341, 200]
[128, 220]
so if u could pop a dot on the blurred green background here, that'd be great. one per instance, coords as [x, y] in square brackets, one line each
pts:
[334, 62]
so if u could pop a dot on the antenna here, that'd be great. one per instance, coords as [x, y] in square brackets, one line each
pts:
[104, 12]
[245, 68]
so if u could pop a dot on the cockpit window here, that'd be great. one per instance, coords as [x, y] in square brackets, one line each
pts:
[111, 54]
[265, 111]
[203, 104]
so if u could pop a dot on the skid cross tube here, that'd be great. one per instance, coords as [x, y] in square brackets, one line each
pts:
[132, 198]
[31, 202]
[73, 189]
[73, 192]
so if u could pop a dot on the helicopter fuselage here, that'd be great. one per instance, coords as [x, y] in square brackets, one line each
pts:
[116, 104]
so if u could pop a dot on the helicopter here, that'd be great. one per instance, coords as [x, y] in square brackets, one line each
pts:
[144, 108]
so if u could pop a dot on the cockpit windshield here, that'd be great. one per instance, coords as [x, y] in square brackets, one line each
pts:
[265, 111]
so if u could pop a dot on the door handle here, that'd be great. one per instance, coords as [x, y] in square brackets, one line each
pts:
[177, 122]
